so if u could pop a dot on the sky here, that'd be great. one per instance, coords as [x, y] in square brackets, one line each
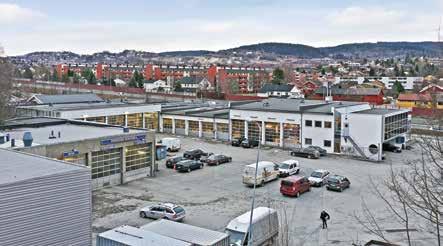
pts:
[88, 26]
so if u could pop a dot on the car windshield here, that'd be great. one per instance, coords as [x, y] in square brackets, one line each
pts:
[284, 166]
[249, 171]
[212, 157]
[286, 183]
[316, 174]
[333, 180]
[235, 237]
[178, 210]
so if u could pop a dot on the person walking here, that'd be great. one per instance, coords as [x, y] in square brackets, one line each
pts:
[324, 218]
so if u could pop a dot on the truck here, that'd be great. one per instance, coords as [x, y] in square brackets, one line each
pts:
[264, 228]
[194, 235]
[172, 144]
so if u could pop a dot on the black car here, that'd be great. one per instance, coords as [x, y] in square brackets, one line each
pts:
[194, 154]
[188, 165]
[174, 160]
[337, 182]
[237, 141]
[391, 147]
[218, 159]
[249, 143]
[322, 151]
[305, 152]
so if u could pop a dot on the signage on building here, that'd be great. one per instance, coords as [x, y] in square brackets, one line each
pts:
[71, 153]
[135, 138]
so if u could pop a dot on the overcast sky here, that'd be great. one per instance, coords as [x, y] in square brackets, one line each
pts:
[87, 26]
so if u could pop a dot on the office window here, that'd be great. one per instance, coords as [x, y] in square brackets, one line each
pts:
[308, 141]
[328, 124]
[308, 122]
[317, 123]
[327, 143]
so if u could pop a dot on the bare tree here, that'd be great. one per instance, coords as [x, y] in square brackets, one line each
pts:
[6, 73]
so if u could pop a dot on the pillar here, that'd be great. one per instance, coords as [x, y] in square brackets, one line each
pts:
[173, 125]
[186, 127]
[281, 134]
[123, 166]
[106, 119]
[143, 121]
[126, 120]
[200, 129]
[214, 128]
[160, 124]
[246, 129]
[263, 132]
[230, 130]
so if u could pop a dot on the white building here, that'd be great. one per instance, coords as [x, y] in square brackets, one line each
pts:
[274, 90]
[407, 82]
[157, 86]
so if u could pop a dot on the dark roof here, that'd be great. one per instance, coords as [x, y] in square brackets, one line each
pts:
[189, 80]
[275, 87]
[350, 91]
[64, 99]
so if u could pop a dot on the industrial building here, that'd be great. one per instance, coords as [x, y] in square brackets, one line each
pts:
[44, 201]
[115, 155]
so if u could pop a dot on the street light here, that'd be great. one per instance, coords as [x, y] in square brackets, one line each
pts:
[255, 185]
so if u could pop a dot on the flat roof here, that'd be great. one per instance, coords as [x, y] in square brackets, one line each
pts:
[133, 236]
[81, 106]
[70, 131]
[381, 111]
[18, 166]
[294, 105]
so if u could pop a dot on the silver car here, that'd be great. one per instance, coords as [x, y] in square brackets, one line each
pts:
[166, 211]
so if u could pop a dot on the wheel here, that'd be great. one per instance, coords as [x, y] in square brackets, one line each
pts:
[309, 156]
[341, 189]
[292, 154]
[201, 166]
[298, 170]
[189, 170]
[327, 188]
[165, 218]
[298, 194]
[142, 214]
[169, 149]
[262, 183]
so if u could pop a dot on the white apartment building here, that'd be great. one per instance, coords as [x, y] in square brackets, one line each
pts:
[407, 82]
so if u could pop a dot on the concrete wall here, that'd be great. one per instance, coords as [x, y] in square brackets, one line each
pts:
[365, 129]
[318, 134]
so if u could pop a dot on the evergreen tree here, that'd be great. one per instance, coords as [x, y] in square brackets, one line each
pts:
[278, 76]
[89, 76]
[28, 74]
[397, 87]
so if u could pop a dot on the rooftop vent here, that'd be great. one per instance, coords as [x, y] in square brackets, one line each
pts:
[266, 104]
[12, 143]
[125, 129]
[52, 136]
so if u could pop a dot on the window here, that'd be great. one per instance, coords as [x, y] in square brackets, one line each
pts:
[308, 141]
[317, 123]
[327, 143]
[328, 124]
[254, 130]
[238, 128]
[308, 122]
[105, 162]
[138, 156]
[272, 133]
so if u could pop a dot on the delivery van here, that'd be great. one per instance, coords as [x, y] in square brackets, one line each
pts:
[172, 144]
[266, 172]
[264, 228]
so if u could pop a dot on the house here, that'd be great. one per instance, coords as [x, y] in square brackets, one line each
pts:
[119, 82]
[194, 83]
[431, 89]
[275, 90]
[154, 86]
[369, 95]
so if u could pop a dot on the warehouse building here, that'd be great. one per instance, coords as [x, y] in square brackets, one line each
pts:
[44, 201]
[115, 155]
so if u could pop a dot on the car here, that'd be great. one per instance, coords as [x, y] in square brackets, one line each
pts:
[168, 211]
[305, 152]
[170, 162]
[322, 151]
[218, 159]
[318, 177]
[237, 141]
[288, 168]
[337, 182]
[391, 147]
[204, 158]
[194, 154]
[294, 186]
[249, 143]
[188, 165]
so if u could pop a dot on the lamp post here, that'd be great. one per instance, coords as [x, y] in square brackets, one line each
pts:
[255, 185]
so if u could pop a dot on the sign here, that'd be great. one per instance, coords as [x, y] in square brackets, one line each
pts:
[71, 153]
[135, 138]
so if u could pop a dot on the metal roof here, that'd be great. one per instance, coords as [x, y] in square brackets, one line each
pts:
[381, 111]
[275, 87]
[68, 98]
[80, 106]
[350, 91]
[18, 166]
[133, 236]
[184, 232]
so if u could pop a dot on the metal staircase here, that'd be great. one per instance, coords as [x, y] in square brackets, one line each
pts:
[355, 145]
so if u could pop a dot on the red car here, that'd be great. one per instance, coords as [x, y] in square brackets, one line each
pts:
[294, 186]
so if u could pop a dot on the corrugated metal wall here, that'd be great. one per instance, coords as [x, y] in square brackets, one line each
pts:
[50, 210]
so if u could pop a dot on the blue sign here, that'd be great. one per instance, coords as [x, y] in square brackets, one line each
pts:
[71, 153]
[119, 139]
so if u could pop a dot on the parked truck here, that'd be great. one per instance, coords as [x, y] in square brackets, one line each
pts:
[194, 235]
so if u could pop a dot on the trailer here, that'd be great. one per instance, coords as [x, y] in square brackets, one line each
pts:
[133, 236]
[197, 236]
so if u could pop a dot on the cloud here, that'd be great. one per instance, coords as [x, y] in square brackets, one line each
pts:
[356, 16]
[13, 13]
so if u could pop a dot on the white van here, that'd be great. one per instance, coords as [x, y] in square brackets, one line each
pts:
[267, 171]
[264, 227]
[172, 144]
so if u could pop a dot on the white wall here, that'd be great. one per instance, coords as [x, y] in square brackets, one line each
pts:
[318, 135]
[95, 112]
[365, 129]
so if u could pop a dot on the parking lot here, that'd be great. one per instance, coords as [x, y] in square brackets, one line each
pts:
[214, 195]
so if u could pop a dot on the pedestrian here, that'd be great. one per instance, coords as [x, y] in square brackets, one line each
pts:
[324, 218]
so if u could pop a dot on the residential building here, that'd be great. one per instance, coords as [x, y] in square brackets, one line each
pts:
[39, 99]
[369, 95]
[407, 82]
[114, 155]
[156, 86]
[44, 201]
[275, 90]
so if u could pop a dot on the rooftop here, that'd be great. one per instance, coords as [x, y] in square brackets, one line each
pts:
[381, 111]
[70, 131]
[19, 166]
[274, 87]
[81, 106]
[63, 99]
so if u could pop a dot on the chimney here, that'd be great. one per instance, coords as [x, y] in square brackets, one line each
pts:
[2, 138]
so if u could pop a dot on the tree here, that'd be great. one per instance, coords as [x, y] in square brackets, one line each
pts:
[137, 80]
[397, 87]
[28, 74]
[6, 75]
[233, 87]
[371, 72]
[177, 86]
[278, 76]
[89, 76]
[55, 76]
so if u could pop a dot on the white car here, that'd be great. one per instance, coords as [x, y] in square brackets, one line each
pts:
[166, 211]
[288, 168]
[318, 177]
